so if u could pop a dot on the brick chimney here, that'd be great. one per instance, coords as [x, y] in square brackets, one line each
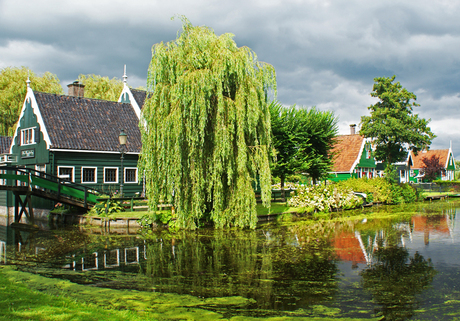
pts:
[352, 129]
[76, 89]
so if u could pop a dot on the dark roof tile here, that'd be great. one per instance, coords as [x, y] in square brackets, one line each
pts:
[88, 124]
[139, 96]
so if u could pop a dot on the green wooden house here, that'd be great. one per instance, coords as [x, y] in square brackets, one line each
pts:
[77, 139]
[353, 157]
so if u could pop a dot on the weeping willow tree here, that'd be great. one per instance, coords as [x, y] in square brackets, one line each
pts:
[206, 129]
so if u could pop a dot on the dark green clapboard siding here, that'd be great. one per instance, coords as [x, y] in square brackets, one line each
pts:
[100, 161]
[3, 198]
[39, 153]
[365, 162]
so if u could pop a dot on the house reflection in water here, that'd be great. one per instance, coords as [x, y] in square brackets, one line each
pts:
[348, 248]
[360, 246]
[432, 224]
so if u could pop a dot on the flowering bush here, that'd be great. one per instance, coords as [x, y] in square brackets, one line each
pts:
[287, 185]
[324, 198]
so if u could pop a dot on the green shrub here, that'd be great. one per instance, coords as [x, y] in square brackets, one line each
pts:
[380, 190]
[106, 207]
[403, 193]
[377, 188]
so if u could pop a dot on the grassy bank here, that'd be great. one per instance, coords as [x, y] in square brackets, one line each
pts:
[276, 208]
[27, 296]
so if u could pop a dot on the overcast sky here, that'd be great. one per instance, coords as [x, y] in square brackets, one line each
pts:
[326, 53]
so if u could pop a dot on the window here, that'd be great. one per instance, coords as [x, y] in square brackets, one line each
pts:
[130, 175]
[368, 152]
[88, 175]
[28, 136]
[110, 175]
[66, 173]
[40, 168]
[2, 181]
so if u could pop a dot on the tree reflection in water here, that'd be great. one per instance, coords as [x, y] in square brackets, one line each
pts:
[279, 270]
[395, 279]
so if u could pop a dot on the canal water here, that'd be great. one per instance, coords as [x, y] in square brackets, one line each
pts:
[394, 263]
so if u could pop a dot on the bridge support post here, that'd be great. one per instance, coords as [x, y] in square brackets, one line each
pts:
[23, 207]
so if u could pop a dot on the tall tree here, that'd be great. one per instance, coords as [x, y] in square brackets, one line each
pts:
[392, 124]
[206, 128]
[314, 133]
[303, 139]
[13, 89]
[283, 140]
[99, 87]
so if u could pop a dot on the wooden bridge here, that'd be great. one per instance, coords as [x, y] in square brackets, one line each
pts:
[25, 183]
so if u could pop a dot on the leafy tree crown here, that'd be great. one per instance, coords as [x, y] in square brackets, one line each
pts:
[392, 125]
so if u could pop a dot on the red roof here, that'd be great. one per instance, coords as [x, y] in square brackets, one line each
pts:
[346, 152]
[443, 155]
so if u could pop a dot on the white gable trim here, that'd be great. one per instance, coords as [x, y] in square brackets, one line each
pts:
[449, 156]
[30, 95]
[133, 101]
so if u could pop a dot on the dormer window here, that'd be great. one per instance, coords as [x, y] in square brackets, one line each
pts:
[368, 152]
[28, 136]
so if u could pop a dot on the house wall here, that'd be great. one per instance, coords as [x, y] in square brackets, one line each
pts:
[337, 177]
[35, 153]
[366, 160]
[77, 160]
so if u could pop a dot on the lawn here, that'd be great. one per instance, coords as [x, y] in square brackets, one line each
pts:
[276, 208]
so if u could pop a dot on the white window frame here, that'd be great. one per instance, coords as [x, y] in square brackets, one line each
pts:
[136, 177]
[3, 180]
[117, 175]
[95, 175]
[72, 179]
[28, 139]
[41, 168]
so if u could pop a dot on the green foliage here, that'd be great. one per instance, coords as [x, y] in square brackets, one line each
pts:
[378, 187]
[381, 190]
[294, 178]
[107, 207]
[303, 139]
[392, 124]
[391, 174]
[99, 87]
[403, 193]
[13, 89]
[206, 128]
[146, 221]
[324, 198]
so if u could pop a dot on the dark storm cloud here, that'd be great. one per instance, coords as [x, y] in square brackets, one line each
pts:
[326, 53]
